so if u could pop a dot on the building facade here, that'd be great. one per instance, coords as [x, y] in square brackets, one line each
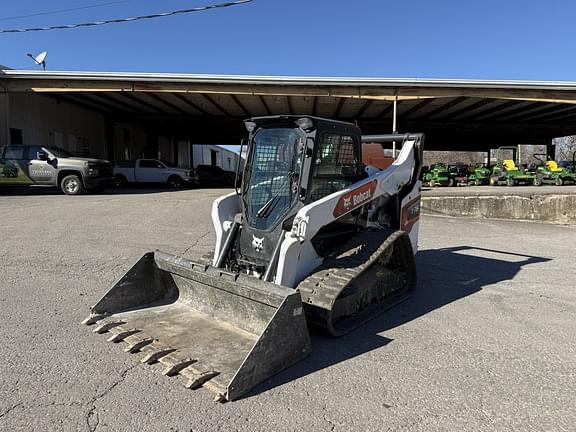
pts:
[52, 122]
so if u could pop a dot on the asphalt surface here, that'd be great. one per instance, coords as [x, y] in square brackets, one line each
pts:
[488, 343]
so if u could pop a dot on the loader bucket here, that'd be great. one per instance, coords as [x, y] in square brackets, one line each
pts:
[223, 331]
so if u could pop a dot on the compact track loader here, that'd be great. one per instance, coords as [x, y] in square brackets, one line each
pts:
[310, 237]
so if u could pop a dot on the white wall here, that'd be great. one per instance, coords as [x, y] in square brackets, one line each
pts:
[48, 121]
[225, 159]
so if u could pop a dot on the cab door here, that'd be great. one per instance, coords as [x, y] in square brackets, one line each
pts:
[150, 171]
[41, 168]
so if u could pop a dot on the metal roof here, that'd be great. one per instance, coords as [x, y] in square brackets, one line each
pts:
[478, 109]
[290, 80]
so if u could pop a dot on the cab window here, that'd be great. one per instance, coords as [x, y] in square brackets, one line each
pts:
[14, 153]
[335, 165]
[150, 164]
[33, 152]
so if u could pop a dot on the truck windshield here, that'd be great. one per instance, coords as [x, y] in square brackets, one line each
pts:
[271, 183]
[59, 152]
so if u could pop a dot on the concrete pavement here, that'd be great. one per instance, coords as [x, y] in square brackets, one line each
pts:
[488, 343]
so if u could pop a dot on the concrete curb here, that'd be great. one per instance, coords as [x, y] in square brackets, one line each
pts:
[555, 208]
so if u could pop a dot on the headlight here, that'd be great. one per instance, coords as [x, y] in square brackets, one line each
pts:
[92, 172]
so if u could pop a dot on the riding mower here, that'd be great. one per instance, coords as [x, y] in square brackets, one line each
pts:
[570, 165]
[548, 172]
[458, 174]
[437, 176]
[480, 175]
[506, 172]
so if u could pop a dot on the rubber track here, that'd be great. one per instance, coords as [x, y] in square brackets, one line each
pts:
[320, 290]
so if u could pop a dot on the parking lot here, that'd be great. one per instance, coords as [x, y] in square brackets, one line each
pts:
[488, 342]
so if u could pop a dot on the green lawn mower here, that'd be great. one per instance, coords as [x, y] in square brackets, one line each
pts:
[506, 172]
[480, 175]
[458, 174]
[437, 176]
[548, 172]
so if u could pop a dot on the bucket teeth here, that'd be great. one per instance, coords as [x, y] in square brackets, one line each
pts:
[196, 379]
[176, 366]
[219, 398]
[121, 335]
[104, 327]
[92, 319]
[156, 355]
[138, 345]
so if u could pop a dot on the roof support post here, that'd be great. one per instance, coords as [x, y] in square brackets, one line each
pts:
[551, 149]
[394, 124]
[4, 119]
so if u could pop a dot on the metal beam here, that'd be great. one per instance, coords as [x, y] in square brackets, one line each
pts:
[470, 108]
[136, 100]
[535, 106]
[363, 108]
[386, 110]
[266, 107]
[84, 103]
[476, 116]
[445, 107]
[241, 105]
[215, 104]
[97, 99]
[569, 116]
[289, 103]
[315, 105]
[339, 107]
[553, 111]
[423, 103]
[169, 104]
[190, 103]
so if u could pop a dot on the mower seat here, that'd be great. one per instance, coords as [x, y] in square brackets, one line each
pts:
[553, 166]
[509, 165]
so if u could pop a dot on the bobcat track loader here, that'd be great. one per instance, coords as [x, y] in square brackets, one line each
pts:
[311, 237]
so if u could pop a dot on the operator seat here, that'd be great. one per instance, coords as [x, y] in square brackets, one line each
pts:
[509, 165]
[553, 166]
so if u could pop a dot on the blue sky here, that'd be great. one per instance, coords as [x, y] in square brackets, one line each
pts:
[488, 39]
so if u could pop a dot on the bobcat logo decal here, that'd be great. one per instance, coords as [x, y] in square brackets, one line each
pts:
[257, 243]
[347, 203]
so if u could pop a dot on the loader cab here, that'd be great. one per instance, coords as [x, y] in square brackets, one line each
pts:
[291, 161]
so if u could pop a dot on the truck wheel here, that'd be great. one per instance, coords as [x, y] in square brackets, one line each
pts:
[175, 181]
[120, 180]
[558, 181]
[72, 185]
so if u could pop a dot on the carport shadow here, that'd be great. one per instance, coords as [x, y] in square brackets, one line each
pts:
[445, 275]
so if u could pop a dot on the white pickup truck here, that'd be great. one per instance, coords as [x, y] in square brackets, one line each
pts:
[153, 171]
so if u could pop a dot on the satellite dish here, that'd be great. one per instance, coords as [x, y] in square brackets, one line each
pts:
[40, 59]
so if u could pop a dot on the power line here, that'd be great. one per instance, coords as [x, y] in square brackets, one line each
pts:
[125, 20]
[58, 11]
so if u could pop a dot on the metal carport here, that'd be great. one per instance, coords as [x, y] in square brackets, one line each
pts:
[454, 114]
